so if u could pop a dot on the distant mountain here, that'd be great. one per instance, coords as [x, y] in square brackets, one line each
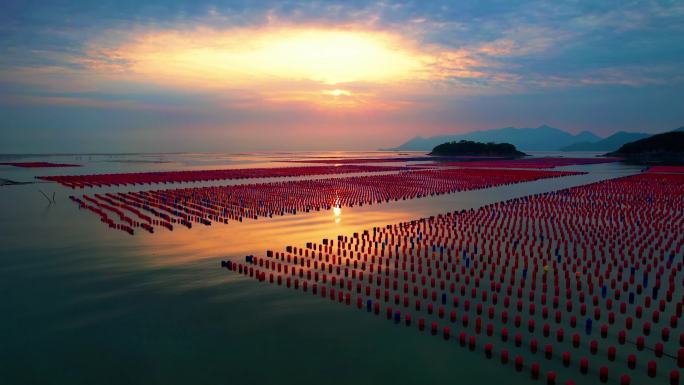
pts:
[542, 138]
[586, 136]
[610, 143]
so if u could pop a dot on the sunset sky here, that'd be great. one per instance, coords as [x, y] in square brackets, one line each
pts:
[272, 75]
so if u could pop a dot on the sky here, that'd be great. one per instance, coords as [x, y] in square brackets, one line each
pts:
[129, 76]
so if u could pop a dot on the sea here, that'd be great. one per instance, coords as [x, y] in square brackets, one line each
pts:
[84, 304]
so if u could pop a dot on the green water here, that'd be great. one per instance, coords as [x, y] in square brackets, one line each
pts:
[82, 304]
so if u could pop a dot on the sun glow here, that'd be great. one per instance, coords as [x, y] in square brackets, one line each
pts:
[337, 92]
[331, 68]
[234, 57]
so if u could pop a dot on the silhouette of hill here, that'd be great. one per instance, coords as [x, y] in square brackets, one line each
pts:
[470, 148]
[660, 148]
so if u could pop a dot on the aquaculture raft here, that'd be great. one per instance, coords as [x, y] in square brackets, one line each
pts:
[204, 205]
[667, 169]
[390, 159]
[38, 164]
[582, 284]
[100, 180]
[524, 163]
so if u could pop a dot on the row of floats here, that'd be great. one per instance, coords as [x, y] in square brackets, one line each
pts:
[472, 161]
[124, 179]
[343, 166]
[667, 169]
[539, 163]
[147, 209]
[583, 284]
[38, 164]
[422, 158]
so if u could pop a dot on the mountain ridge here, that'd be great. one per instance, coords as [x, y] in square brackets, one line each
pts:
[665, 148]
[611, 143]
[539, 138]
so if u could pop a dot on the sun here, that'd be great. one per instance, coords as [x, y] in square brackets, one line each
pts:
[337, 92]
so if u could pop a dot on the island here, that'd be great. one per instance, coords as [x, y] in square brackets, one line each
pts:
[666, 148]
[471, 148]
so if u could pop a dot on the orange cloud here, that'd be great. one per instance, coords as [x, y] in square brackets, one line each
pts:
[216, 58]
[352, 68]
[283, 64]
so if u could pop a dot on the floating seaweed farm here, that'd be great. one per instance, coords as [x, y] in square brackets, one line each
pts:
[422, 158]
[667, 169]
[204, 205]
[541, 163]
[582, 284]
[38, 164]
[124, 179]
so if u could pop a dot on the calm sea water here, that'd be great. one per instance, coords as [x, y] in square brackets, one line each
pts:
[82, 304]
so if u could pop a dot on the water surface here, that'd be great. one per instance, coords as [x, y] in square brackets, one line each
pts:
[83, 304]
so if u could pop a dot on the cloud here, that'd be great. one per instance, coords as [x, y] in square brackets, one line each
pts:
[524, 41]
[457, 49]
[208, 57]
[75, 101]
[232, 68]
[279, 63]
